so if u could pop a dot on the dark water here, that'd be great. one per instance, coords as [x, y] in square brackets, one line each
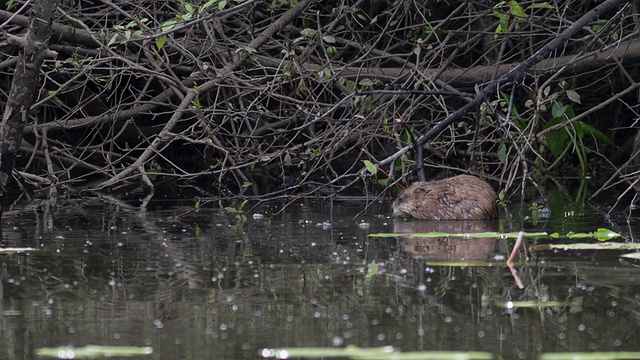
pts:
[203, 286]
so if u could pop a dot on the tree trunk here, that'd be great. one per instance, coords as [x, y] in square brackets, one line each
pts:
[23, 87]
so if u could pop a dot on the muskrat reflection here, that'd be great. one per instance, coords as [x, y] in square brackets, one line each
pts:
[447, 248]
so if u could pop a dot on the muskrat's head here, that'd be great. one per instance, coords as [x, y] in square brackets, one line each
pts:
[410, 201]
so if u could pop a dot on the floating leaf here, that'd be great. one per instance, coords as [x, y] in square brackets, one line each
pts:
[590, 356]
[354, 352]
[600, 234]
[539, 304]
[481, 235]
[14, 250]
[93, 351]
[635, 255]
[587, 246]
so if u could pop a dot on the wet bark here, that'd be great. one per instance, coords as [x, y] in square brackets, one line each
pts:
[34, 49]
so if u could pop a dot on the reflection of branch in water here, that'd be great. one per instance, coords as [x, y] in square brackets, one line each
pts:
[520, 242]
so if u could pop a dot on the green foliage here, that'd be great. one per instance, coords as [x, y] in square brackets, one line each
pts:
[349, 84]
[238, 212]
[502, 201]
[571, 136]
[514, 11]
[371, 167]
[372, 270]
[507, 105]
[373, 170]
[406, 159]
[502, 152]
[567, 135]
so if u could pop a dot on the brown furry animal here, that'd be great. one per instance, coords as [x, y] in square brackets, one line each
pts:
[461, 197]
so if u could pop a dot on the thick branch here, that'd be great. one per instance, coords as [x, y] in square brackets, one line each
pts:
[23, 87]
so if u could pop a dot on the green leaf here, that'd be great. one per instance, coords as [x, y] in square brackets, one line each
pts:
[112, 40]
[502, 152]
[372, 270]
[371, 167]
[590, 130]
[516, 10]
[302, 86]
[573, 96]
[308, 33]
[205, 6]
[366, 82]
[544, 5]
[558, 109]
[555, 139]
[188, 7]
[329, 39]
[168, 25]
[160, 41]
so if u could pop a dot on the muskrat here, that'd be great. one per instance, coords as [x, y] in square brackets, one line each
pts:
[462, 197]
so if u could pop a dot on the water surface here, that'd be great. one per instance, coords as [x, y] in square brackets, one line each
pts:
[205, 285]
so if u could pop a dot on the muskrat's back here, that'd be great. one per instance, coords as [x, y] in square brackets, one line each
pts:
[462, 197]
